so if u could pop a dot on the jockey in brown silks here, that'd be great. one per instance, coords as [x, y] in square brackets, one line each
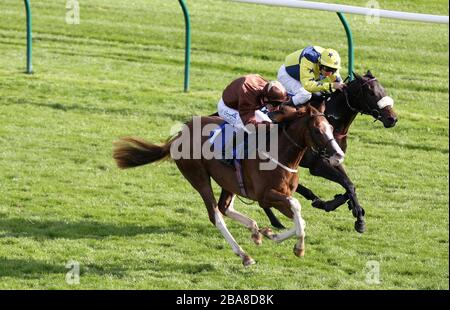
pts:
[243, 98]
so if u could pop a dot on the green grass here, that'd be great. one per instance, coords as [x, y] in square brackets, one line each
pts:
[120, 72]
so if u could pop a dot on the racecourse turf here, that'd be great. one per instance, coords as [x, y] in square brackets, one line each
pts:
[120, 72]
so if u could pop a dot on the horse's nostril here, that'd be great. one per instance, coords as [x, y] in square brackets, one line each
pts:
[390, 121]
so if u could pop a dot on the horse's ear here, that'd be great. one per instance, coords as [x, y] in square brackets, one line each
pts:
[321, 107]
[309, 109]
[356, 76]
[369, 74]
[303, 110]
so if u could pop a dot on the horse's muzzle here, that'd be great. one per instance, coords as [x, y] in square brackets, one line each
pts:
[389, 122]
[337, 155]
[388, 117]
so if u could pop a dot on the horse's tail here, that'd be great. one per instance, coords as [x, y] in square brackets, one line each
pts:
[132, 152]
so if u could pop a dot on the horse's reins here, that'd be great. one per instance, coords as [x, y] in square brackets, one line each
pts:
[295, 143]
[290, 139]
[372, 112]
[321, 151]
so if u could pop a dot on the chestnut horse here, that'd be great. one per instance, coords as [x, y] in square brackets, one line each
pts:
[302, 128]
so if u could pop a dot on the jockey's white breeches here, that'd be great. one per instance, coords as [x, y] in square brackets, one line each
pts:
[293, 87]
[233, 118]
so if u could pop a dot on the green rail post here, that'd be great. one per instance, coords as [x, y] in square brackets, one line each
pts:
[187, 52]
[350, 45]
[29, 43]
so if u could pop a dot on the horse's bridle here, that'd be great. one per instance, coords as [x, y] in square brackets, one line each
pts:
[320, 151]
[366, 109]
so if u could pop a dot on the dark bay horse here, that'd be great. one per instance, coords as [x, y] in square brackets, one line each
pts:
[363, 95]
[302, 128]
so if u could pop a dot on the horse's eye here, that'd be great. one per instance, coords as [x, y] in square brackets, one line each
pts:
[370, 91]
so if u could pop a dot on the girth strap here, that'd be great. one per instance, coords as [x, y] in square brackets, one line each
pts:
[239, 177]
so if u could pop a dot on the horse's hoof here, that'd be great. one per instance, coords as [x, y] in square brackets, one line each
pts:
[257, 238]
[267, 232]
[248, 261]
[299, 252]
[360, 226]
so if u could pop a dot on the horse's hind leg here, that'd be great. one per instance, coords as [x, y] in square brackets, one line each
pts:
[226, 206]
[220, 224]
[201, 181]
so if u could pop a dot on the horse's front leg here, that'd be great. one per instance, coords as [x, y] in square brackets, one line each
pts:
[323, 169]
[337, 174]
[318, 203]
[274, 221]
[353, 203]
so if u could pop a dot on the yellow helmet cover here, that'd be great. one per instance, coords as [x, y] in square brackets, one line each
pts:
[330, 58]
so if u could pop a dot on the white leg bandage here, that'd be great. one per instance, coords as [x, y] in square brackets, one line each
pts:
[298, 220]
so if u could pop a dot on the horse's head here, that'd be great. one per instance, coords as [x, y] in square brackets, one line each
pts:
[314, 130]
[366, 95]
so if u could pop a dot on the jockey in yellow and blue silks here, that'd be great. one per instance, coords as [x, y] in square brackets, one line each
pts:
[311, 70]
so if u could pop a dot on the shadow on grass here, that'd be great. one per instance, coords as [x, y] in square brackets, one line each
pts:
[82, 108]
[85, 108]
[49, 229]
[35, 269]
[29, 268]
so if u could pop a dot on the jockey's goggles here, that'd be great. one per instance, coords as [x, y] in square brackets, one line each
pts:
[328, 69]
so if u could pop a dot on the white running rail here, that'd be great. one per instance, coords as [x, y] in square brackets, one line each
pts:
[353, 10]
